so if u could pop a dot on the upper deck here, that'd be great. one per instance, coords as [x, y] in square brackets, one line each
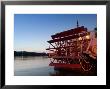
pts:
[69, 34]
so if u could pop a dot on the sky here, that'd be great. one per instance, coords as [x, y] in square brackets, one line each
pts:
[32, 31]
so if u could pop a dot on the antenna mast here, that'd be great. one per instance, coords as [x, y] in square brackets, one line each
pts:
[77, 24]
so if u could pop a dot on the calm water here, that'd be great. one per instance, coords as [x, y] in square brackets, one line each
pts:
[32, 66]
[39, 66]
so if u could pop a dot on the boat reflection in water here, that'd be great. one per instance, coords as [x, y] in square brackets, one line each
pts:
[39, 66]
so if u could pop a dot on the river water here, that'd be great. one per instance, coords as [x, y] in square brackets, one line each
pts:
[39, 66]
[32, 66]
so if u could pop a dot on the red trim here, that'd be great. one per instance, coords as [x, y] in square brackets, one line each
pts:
[65, 65]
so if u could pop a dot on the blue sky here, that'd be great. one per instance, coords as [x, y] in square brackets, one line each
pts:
[32, 31]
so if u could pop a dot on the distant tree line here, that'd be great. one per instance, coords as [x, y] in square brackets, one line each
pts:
[25, 53]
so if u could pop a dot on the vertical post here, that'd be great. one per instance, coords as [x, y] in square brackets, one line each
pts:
[77, 24]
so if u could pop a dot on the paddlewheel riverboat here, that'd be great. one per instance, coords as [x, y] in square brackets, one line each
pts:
[74, 48]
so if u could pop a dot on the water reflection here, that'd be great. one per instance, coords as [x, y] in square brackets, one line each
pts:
[38, 66]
